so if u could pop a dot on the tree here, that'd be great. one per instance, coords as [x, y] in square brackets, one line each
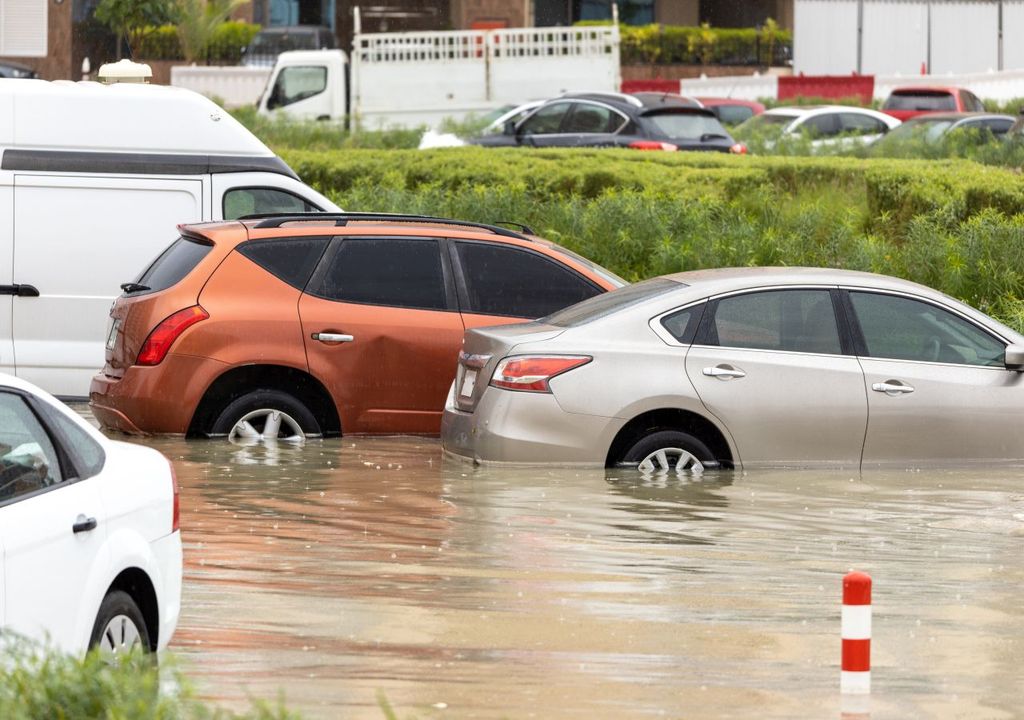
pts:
[131, 20]
[198, 20]
[769, 36]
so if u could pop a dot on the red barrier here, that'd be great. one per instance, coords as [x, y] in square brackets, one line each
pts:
[828, 86]
[632, 86]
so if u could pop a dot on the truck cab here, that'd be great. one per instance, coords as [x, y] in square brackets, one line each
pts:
[308, 84]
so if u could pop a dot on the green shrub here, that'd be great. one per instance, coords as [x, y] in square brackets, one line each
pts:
[683, 45]
[37, 685]
[229, 38]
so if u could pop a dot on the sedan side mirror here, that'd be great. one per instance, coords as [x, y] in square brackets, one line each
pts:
[1014, 358]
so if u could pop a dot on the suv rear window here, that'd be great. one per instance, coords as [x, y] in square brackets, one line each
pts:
[920, 100]
[289, 259]
[172, 266]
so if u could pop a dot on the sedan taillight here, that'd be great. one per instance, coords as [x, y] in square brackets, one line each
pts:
[738, 149]
[154, 350]
[652, 145]
[531, 373]
[176, 513]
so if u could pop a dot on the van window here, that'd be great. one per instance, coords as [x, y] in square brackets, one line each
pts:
[297, 83]
[172, 266]
[240, 202]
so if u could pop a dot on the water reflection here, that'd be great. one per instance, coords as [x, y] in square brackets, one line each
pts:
[344, 567]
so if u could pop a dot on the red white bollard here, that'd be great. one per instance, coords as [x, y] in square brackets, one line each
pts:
[856, 630]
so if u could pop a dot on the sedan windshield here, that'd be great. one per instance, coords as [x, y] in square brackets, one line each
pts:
[608, 303]
[688, 126]
[929, 130]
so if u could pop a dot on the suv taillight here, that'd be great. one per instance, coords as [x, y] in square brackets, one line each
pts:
[154, 350]
[176, 513]
[531, 373]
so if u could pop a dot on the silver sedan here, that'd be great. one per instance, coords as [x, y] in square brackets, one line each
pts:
[744, 367]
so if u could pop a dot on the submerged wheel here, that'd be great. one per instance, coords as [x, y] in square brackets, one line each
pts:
[266, 415]
[120, 627]
[669, 450]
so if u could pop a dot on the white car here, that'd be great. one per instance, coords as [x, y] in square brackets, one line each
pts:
[825, 124]
[90, 552]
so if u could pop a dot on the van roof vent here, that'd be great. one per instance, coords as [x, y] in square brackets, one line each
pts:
[124, 71]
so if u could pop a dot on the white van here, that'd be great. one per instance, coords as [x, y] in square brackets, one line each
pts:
[94, 180]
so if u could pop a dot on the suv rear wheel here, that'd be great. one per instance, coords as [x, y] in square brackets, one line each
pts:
[266, 415]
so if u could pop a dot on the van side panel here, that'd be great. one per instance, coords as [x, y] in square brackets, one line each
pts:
[76, 239]
[6, 273]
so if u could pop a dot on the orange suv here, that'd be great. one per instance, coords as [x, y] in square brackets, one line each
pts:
[304, 325]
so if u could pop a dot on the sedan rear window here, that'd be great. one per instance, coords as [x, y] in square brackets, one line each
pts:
[172, 266]
[920, 100]
[608, 303]
[689, 126]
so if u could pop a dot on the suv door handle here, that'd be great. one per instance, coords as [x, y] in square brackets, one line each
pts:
[893, 388]
[19, 290]
[83, 524]
[326, 337]
[725, 372]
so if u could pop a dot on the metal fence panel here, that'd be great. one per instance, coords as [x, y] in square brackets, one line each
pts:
[965, 37]
[895, 37]
[1013, 31]
[825, 36]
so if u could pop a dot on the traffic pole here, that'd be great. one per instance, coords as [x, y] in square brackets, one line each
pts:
[855, 678]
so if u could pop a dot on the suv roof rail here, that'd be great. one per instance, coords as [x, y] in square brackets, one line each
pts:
[276, 220]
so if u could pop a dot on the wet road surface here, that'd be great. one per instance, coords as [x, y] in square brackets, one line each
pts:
[342, 569]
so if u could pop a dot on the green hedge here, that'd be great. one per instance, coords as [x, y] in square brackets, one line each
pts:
[683, 45]
[230, 37]
[955, 225]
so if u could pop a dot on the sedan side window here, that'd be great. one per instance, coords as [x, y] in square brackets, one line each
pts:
[821, 126]
[517, 283]
[546, 121]
[240, 202]
[28, 459]
[858, 124]
[400, 272]
[784, 320]
[903, 329]
[587, 118]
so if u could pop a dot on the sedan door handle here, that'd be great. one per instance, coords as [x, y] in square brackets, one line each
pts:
[725, 372]
[892, 387]
[83, 524]
[325, 337]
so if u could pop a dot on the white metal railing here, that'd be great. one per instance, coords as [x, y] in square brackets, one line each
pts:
[234, 85]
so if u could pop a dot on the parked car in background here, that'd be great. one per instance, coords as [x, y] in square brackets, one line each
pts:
[268, 43]
[294, 326]
[16, 71]
[824, 125]
[731, 111]
[933, 128]
[744, 367]
[645, 121]
[904, 103]
[89, 531]
[495, 125]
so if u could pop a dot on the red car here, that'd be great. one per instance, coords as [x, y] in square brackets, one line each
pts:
[904, 103]
[731, 111]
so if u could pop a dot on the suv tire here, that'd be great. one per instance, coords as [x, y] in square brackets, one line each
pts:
[248, 418]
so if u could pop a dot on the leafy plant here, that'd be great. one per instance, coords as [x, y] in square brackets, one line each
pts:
[198, 21]
[132, 20]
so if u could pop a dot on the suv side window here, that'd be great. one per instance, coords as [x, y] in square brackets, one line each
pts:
[399, 272]
[289, 259]
[28, 459]
[783, 320]
[546, 121]
[900, 328]
[239, 202]
[513, 282]
[297, 83]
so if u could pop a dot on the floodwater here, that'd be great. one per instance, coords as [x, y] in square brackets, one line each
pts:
[334, 572]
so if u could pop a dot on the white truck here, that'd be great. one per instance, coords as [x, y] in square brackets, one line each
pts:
[410, 79]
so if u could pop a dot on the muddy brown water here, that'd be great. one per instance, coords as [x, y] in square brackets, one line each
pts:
[334, 572]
